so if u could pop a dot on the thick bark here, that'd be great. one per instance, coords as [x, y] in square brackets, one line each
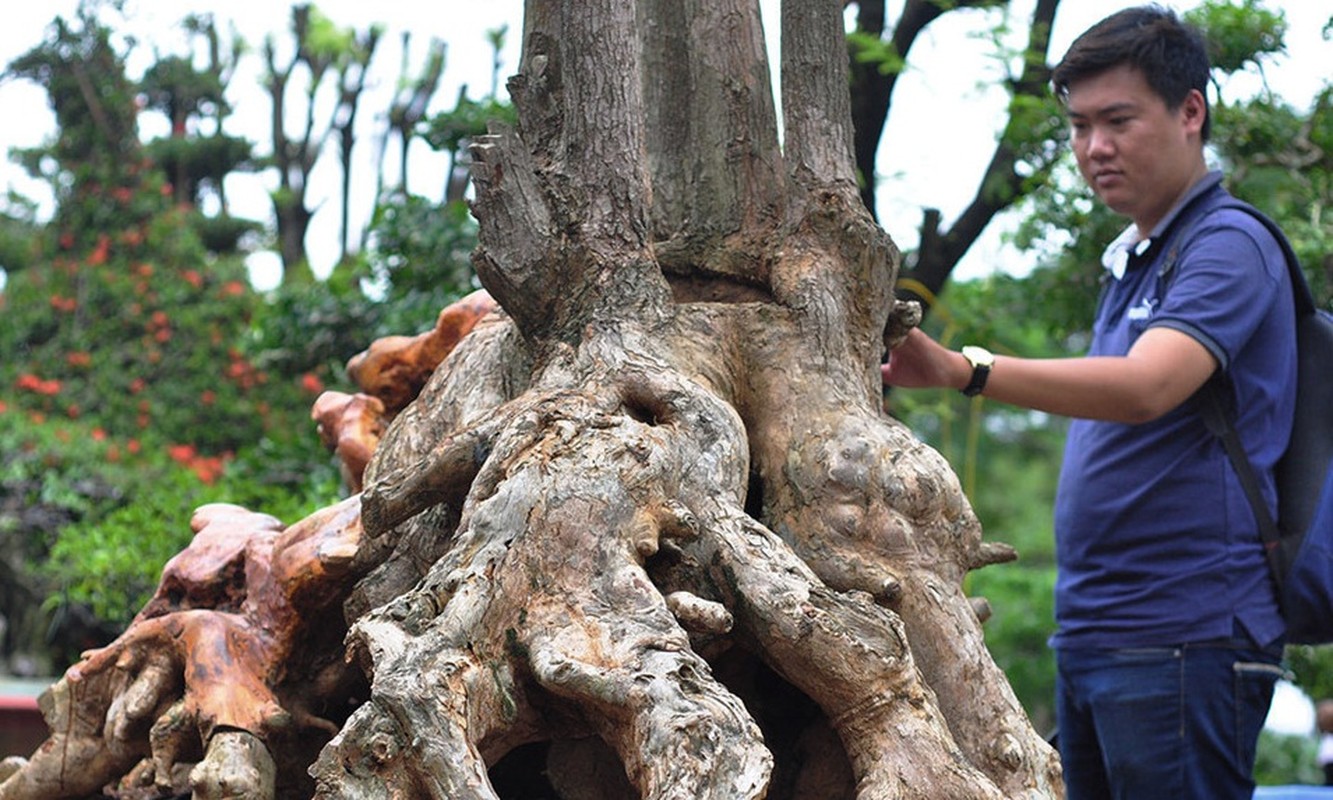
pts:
[648, 523]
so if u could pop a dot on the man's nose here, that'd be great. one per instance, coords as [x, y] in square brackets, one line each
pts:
[1100, 143]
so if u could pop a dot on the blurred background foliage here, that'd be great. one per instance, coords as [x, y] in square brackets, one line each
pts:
[143, 375]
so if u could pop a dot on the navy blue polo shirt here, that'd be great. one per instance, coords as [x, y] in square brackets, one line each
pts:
[1155, 540]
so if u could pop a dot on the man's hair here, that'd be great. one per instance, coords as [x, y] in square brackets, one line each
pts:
[1171, 55]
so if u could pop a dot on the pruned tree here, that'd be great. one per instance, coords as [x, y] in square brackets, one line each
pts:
[320, 48]
[647, 532]
[410, 101]
[351, 64]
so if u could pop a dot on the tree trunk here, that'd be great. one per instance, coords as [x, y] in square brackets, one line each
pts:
[648, 532]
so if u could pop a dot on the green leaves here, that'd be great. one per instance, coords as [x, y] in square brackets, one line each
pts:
[448, 130]
[1239, 35]
[868, 48]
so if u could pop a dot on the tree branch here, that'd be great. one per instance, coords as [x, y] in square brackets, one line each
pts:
[872, 89]
[711, 132]
[1002, 185]
[816, 103]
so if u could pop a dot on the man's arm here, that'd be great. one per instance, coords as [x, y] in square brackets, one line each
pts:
[1163, 369]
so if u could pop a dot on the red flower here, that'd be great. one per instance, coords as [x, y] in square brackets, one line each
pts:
[79, 358]
[32, 383]
[207, 469]
[208, 397]
[4, 407]
[193, 278]
[143, 270]
[181, 453]
[99, 435]
[311, 383]
[122, 194]
[73, 411]
[233, 289]
[133, 446]
[99, 254]
[137, 385]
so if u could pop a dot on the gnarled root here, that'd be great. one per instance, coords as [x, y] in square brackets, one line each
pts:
[209, 668]
[870, 509]
[596, 491]
[563, 498]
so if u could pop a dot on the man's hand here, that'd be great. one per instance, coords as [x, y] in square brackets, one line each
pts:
[921, 362]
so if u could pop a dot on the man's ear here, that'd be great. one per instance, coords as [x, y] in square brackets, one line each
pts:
[1194, 110]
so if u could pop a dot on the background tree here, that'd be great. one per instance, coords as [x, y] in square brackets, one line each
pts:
[351, 66]
[410, 103]
[319, 48]
[224, 54]
[192, 160]
[93, 100]
[1024, 153]
[127, 365]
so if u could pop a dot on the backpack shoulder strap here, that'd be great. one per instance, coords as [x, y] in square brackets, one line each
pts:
[1217, 407]
[1217, 398]
[1183, 227]
[1299, 286]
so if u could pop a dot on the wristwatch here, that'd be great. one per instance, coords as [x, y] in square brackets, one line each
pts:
[981, 360]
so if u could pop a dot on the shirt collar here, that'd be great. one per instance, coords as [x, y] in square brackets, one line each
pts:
[1116, 256]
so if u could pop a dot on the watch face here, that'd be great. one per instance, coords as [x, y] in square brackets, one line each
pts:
[978, 356]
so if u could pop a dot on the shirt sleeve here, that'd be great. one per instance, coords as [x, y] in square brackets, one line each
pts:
[1229, 274]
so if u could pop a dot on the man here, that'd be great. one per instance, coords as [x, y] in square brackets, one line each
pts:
[1169, 635]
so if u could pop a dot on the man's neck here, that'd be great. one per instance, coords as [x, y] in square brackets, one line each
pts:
[1146, 225]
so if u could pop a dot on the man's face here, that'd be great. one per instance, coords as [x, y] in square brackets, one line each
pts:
[1138, 156]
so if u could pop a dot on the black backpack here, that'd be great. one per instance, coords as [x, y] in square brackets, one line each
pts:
[1300, 553]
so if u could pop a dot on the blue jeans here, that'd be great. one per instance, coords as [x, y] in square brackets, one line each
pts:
[1163, 722]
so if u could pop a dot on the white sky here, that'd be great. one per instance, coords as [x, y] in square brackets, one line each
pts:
[930, 158]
